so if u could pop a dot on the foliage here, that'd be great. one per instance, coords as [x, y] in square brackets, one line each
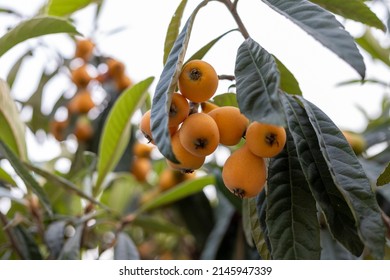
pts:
[322, 200]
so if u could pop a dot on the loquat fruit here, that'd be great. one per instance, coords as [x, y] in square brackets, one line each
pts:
[171, 177]
[199, 134]
[243, 173]
[145, 126]
[140, 168]
[80, 76]
[231, 124]
[122, 82]
[198, 81]
[83, 129]
[115, 68]
[142, 150]
[188, 162]
[57, 129]
[265, 140]
[81, 103]
[356, 141]
[84, 49]
[178, 110]
[207, 106]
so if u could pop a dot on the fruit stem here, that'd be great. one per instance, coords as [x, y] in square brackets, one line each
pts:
[232, 7]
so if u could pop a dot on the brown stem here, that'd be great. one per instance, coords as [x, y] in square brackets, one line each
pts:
[232, 7]
[226, 77]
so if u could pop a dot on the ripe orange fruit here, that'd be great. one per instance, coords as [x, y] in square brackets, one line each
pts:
[80, 76]
[57, 128]
[171, 177]
[115, 68]
[231, 124]
[356, 141]
[142, 149]
[84, 49]
[198, 81]
[243, 173]
[188, 161]
[265, 140]
[178, 110]
[199, 134]
[81, 103]
[207, 106]
[145, 127]
[83, 129]
[122, 82]
[140, 168]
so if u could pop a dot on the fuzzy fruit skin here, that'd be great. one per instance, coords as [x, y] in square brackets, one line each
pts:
[80, 76]
[142, 150]
[140, 168]
[198, 81]
[231, 124]
[115, 68]
[199, 134]
[207, 107]
[122, 82]
[243, 173]
[265, 140]
[83, 129]
[145, 126]
[187, 161]
[171, 177]
[179, 110]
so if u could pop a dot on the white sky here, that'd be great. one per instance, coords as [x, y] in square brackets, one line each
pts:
[140, 47]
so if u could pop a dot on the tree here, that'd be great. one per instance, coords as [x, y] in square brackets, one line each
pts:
[321, 199]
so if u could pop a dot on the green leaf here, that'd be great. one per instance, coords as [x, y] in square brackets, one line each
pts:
[350, 179]
[257, 82]
[116, 131]
[384, 178]
[27, 245]
[66, 7]
[226, 99]
[125, 249]
[293, 227]
[12, 129]
[182, 190]
[352, 9]
[322, 26]
[35, 27]
[27, 178]
[371, 45]
[255, 229]
[72, 246]
[166, 86]
[264, 246]
[11, 76]
[5, 177]
[158, 225]
[288, 83]
[338, 215]
[173, 29]
[203, 51]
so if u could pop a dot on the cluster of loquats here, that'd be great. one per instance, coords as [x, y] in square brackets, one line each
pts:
[85, 62]
[196, 134]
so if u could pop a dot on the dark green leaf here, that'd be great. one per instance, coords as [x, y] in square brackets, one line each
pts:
[55, 238]
[257, 82]
[12, 129]
[173, 29]
[384, 178]
[338, 215]
[27, 178]
[158, 225]
[72, 246]
[350, 179]
[352, 9]
[6, 178]
[116, 131]
[264, 246]
[35, 27]
[293, 227]
[324, 27]
[182, 190]
[165, 88]
[203, 51]
[125, 249]
[223, 213]
[288, 83]
[27, 244]
[66, 7]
